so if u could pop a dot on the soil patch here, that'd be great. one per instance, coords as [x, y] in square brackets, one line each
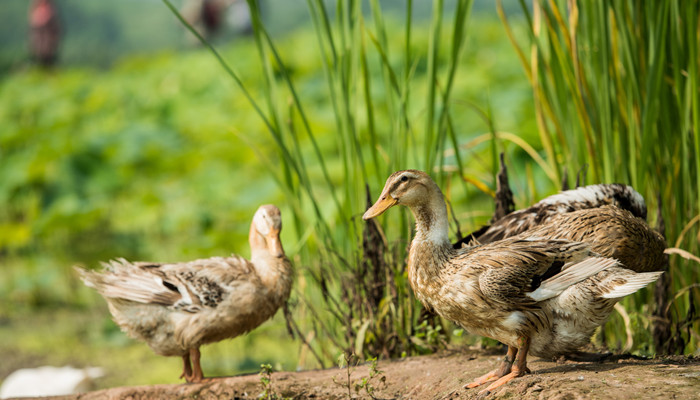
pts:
[443, 375]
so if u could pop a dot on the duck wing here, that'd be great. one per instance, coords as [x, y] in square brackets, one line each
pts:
[519, 273]
[611, 232]
[587, 197]
[190, 286]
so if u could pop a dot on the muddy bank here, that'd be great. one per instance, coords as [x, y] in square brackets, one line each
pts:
[442, 376]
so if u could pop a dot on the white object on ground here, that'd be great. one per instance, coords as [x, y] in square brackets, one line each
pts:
[49, 381]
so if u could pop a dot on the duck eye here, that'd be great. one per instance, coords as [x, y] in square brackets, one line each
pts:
[404, 178]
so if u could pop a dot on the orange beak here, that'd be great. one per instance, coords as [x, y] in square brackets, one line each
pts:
[384, 203]
[274, 246]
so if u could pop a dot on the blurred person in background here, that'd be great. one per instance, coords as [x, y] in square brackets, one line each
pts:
[209, 17]
[205, 15]
[44, 32]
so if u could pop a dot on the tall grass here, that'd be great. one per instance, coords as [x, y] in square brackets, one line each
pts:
[607, 84]
[356, 296]
[616, 88]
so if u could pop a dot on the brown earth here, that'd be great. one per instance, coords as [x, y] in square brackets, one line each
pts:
[443, 375]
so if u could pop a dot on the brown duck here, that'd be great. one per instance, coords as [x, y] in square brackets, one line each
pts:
[543, 297]
[611, 232]
[176, 308]
[609, 217]
[583, 198]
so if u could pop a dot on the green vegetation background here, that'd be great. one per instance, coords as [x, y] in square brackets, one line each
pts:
[148, 159]
[145, 150]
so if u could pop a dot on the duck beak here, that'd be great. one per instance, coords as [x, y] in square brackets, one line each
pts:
[274, 246]
[384, 203]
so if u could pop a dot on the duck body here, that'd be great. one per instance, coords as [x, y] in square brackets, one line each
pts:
[177, 307]
[612, 232]
[543, 212]
[215, 299]
[482, 290]
[539, 296]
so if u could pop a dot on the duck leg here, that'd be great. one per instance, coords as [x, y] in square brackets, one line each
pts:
[502, 370]
[197, 374]
[518, 369]
[186, 367]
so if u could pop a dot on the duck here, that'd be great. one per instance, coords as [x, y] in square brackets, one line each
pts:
[177, 307]
[612, 232]
[590, 197]
[610, 217]
[539, 296]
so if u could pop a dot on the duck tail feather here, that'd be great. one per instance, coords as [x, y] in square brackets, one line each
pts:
[632, 284]
[137, 287]
[571, 275]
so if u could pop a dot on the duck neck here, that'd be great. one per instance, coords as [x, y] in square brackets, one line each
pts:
[259, 253]
[432, 225]
[430, 248]
[274, 272]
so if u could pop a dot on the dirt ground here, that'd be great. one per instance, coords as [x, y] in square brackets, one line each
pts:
[443, 375]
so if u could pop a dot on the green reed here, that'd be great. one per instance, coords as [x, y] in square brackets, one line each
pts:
[615, 88]
[615, 85]
[356, 274]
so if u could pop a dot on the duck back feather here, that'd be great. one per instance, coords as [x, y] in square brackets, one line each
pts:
[583, 198]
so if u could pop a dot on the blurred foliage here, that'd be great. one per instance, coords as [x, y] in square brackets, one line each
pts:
[87, 337]
[100, 33]
[161, 158]
[380, 97]
[93, 33]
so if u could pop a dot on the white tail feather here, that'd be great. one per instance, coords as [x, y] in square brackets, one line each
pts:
[572, 273]
[634, 283]
[137, 286]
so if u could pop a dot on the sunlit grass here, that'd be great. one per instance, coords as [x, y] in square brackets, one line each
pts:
[394, 106]
[575, 116]
[152, 160]
[616, 90]
[165, 159]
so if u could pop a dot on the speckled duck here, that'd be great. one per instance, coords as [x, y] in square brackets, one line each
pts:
[543, 297]
[176, 308]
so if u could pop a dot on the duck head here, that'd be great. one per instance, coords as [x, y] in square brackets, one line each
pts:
[417, 191]
[267, 224]
[410, 188]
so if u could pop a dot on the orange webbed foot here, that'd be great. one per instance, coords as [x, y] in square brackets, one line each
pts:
[519, 369]
[194, 379]
[488, 377]
[501, 371]
[515, 373]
